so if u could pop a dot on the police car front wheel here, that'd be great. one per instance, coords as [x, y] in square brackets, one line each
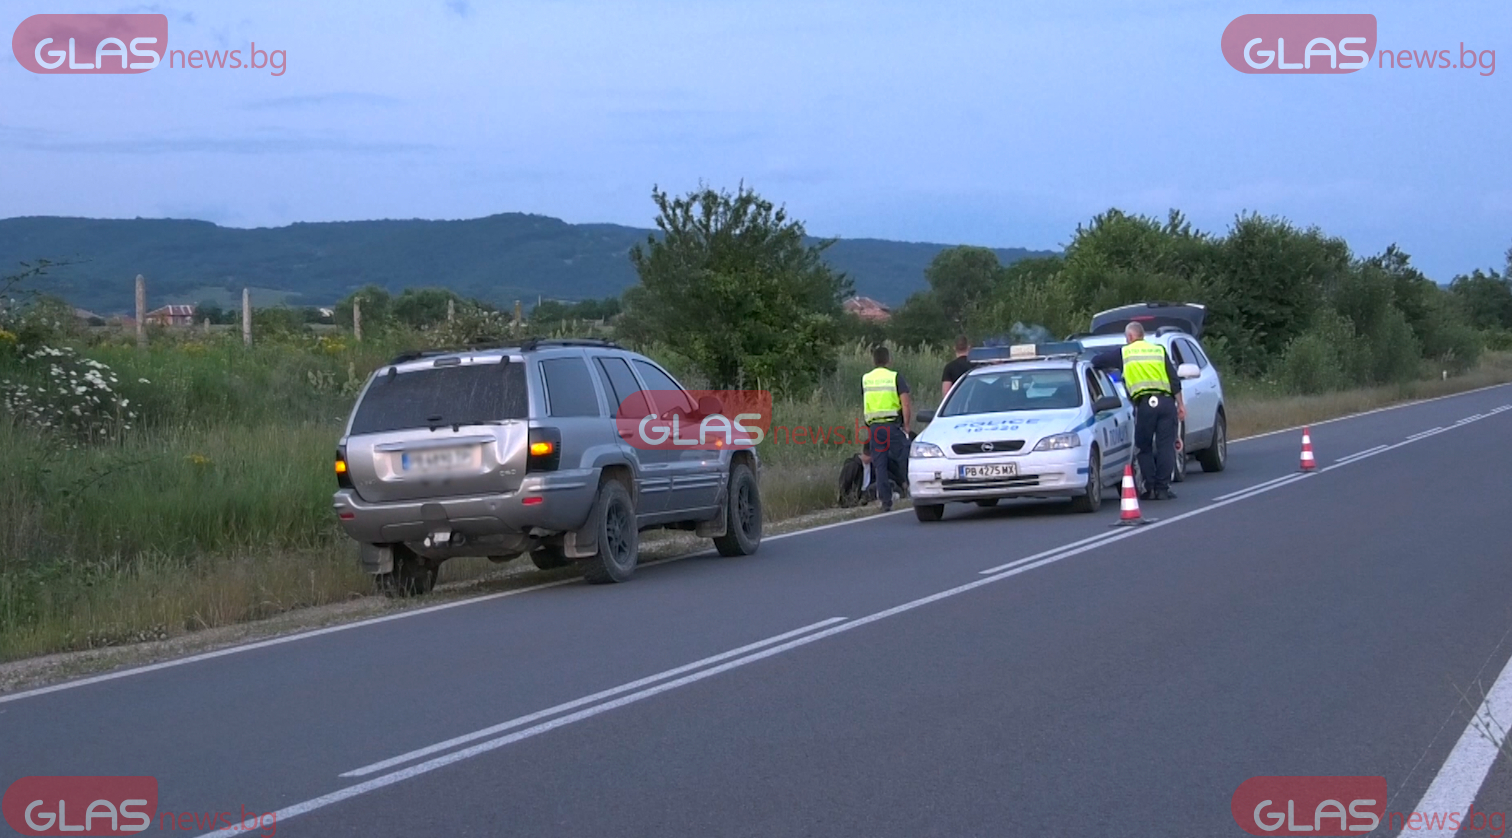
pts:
[929, 511]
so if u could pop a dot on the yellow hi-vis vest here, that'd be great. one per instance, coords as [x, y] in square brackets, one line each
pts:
[880, 399]
[1144, 369]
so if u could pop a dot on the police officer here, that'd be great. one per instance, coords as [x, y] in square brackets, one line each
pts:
[887, 405]
[1153, 386]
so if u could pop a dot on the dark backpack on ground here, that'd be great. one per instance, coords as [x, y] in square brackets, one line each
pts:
[853, 474]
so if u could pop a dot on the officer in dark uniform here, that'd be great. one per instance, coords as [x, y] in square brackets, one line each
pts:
[1155, 389]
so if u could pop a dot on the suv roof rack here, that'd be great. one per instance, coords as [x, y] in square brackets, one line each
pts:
[526, 345]
[535, 343]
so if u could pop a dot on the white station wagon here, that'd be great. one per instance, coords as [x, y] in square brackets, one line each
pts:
[1026, 422]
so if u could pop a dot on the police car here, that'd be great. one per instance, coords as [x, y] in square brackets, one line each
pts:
[1028, 421]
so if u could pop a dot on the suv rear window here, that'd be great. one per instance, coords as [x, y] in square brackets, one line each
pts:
[466, 394]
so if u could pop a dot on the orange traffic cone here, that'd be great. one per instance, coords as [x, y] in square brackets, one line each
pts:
[1128, 507]
[1307, 453]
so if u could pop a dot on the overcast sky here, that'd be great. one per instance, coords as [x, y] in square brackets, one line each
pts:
[996, 123]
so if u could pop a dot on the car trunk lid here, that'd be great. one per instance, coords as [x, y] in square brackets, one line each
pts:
[1188, 317]
[443, 428]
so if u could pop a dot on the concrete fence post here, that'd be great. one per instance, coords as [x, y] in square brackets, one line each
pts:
[141, 311]
[357, 318]
[451, 310]
[247, 316]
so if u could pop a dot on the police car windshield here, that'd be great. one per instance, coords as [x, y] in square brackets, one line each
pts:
[1005, 391]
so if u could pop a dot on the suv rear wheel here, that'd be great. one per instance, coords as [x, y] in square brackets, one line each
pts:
[618, 535]
[742, 514]
[412, 575]
[1215, 456]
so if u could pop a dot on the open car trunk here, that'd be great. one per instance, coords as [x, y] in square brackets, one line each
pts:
[1187, 317]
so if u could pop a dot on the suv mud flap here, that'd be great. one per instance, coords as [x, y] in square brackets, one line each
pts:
[718, 525]
[580, 544]
[376, 558]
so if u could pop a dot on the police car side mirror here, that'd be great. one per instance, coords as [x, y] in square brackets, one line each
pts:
[1107, 403]
[1188, 371]
[924, 416]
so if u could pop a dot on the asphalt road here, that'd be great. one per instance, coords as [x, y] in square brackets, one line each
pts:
[1022, 670]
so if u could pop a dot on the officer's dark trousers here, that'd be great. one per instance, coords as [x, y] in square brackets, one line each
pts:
[1155, 440]
[888, 443]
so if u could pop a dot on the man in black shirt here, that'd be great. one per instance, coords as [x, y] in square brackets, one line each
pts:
[958, 366]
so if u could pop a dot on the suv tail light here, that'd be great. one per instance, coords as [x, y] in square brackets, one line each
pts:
[545, 452]
[343, 477]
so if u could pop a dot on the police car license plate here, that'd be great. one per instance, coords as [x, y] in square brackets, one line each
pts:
[439, 459]
[989, 472]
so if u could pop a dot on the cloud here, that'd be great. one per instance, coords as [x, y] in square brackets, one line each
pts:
[460, 8]
[28, 140]
[323, 100]
[158, 9]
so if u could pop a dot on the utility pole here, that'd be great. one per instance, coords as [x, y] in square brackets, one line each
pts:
[141, 311]
[518, 317]
[247, 316]
[357, 317]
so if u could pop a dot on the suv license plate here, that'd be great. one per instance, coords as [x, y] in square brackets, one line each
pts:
[440, 459]
[989, 472]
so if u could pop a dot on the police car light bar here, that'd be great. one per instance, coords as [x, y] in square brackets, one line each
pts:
[1023, 352]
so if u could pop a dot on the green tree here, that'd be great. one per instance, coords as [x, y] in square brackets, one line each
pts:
[921, 321]
[1119, 259]
[212, 311]
[421, 307]
[1273, 279]
[377, 309]
[960, 278]
[731, 286]
[1487, 298]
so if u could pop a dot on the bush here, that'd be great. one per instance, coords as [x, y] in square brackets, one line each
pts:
[1322, 358]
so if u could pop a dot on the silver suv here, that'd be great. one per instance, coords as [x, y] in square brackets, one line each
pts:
[502, 451]
[1178, 328]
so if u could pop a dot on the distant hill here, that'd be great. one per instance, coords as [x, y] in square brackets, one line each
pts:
[501, 258]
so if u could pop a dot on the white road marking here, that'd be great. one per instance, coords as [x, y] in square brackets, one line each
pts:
[590, 699]
[1389, 407]
[275, 641]
[493, 744]
[1256, 486]
[1421, 434]
[1367, 452]
[1052, 551]
[1470, 418]
[1458, 782]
